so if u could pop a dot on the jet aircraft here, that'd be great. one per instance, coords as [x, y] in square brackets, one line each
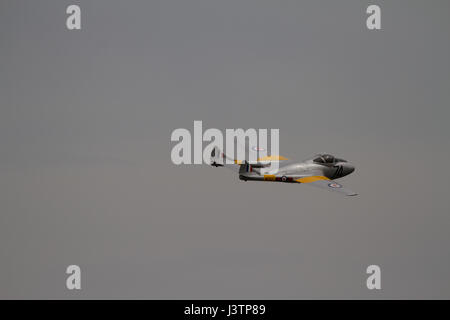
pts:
[320, 170]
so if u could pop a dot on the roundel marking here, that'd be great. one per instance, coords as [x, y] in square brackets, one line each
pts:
[258, 149]
[334, 185]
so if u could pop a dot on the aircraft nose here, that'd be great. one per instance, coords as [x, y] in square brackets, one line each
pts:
[349, 169]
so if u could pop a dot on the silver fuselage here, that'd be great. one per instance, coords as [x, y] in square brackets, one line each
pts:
[289, 171]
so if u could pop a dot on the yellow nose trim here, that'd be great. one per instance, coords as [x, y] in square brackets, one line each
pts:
[311, 179]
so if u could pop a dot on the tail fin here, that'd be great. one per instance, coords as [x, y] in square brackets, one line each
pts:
[218, 159]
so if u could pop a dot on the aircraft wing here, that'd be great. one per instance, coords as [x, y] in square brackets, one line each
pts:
[257, 155]
[325, 183]
[261, 159]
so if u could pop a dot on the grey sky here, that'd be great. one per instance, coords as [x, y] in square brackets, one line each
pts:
[85, 170]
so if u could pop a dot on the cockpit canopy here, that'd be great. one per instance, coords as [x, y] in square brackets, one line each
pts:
[327, 158]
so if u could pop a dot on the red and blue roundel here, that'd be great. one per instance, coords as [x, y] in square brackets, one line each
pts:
[334, 185]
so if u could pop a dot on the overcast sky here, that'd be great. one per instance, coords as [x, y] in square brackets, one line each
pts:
[86, 176]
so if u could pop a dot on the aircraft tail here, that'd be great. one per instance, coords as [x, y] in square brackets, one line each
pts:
[219, 159]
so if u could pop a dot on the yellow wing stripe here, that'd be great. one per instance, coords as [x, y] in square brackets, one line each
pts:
[311, 179]
[272, 158]
[266, 158]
